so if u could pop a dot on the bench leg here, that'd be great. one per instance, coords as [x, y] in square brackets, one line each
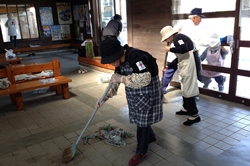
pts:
[58, 89]
[52, 88]
[13, 98]
[19, 101]
[65, 88]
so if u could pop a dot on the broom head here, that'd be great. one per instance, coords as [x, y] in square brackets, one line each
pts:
[69, 153]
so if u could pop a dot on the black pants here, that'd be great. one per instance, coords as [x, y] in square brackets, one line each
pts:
[190, 105]
[13, 40]
[108, 37]
[144, 135]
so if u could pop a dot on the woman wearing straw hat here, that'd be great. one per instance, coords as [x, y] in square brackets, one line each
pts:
[186, 65]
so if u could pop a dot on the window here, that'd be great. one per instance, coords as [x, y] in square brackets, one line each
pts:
[184, 6]
[111, 7]
[25, 15]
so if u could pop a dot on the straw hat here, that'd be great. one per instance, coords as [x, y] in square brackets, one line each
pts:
[166, 32]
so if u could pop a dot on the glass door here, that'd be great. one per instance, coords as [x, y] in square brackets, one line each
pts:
[230, 20]
[242, 58]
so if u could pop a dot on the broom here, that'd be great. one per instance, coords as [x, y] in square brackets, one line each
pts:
[164, 64]
[70, 152]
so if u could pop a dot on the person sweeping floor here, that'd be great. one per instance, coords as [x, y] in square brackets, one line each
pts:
[138, 70]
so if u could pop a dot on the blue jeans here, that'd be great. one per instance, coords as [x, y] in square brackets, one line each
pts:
[167, 77]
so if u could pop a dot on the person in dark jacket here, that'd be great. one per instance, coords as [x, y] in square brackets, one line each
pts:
[183, 49]
[189, 29]
[138, 71]
[113, 28]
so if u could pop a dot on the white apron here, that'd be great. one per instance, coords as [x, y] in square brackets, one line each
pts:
[187, 71]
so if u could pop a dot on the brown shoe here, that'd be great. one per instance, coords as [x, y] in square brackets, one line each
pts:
[136, 159]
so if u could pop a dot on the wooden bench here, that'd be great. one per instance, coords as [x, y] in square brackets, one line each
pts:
[4, 60]
[58, 82]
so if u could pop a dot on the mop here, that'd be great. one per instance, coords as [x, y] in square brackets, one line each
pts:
[70, 152]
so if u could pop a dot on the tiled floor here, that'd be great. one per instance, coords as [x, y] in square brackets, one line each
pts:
[38, 135]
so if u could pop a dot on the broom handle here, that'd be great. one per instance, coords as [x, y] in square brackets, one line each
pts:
[165, 61]
[93, 114]
[164, 65]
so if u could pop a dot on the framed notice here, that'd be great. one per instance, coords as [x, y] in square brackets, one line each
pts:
[65, 32]
[64, 13]
[56, 32]
[46, 31]
[46, 16]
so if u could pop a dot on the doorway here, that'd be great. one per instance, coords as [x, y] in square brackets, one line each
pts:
[230, 19]
[111, 7]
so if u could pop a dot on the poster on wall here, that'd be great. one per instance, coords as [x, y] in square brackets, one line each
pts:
[60, 32]
[77, 30]
[56, 32]
[88, 27]
[80, 12]
[46, 16]
[46, 31]
[81, 20]
[65, 32]
[88, 21]
[75, 13]
[81, 23]
[64, 13]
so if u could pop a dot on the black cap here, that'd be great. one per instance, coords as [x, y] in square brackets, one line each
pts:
[198, 12]
[111, 50]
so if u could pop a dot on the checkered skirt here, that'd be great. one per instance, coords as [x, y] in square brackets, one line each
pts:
[145, 104]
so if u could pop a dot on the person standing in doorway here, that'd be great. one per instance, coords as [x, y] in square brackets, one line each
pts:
[11, 24]
[138, 70]
[191, 30]
[183, 49]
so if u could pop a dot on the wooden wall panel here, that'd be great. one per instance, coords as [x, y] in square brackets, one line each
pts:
[147, 18]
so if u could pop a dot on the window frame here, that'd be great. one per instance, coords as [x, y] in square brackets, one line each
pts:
[15, 9]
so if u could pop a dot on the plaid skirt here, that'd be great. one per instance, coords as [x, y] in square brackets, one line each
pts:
[145, 104]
